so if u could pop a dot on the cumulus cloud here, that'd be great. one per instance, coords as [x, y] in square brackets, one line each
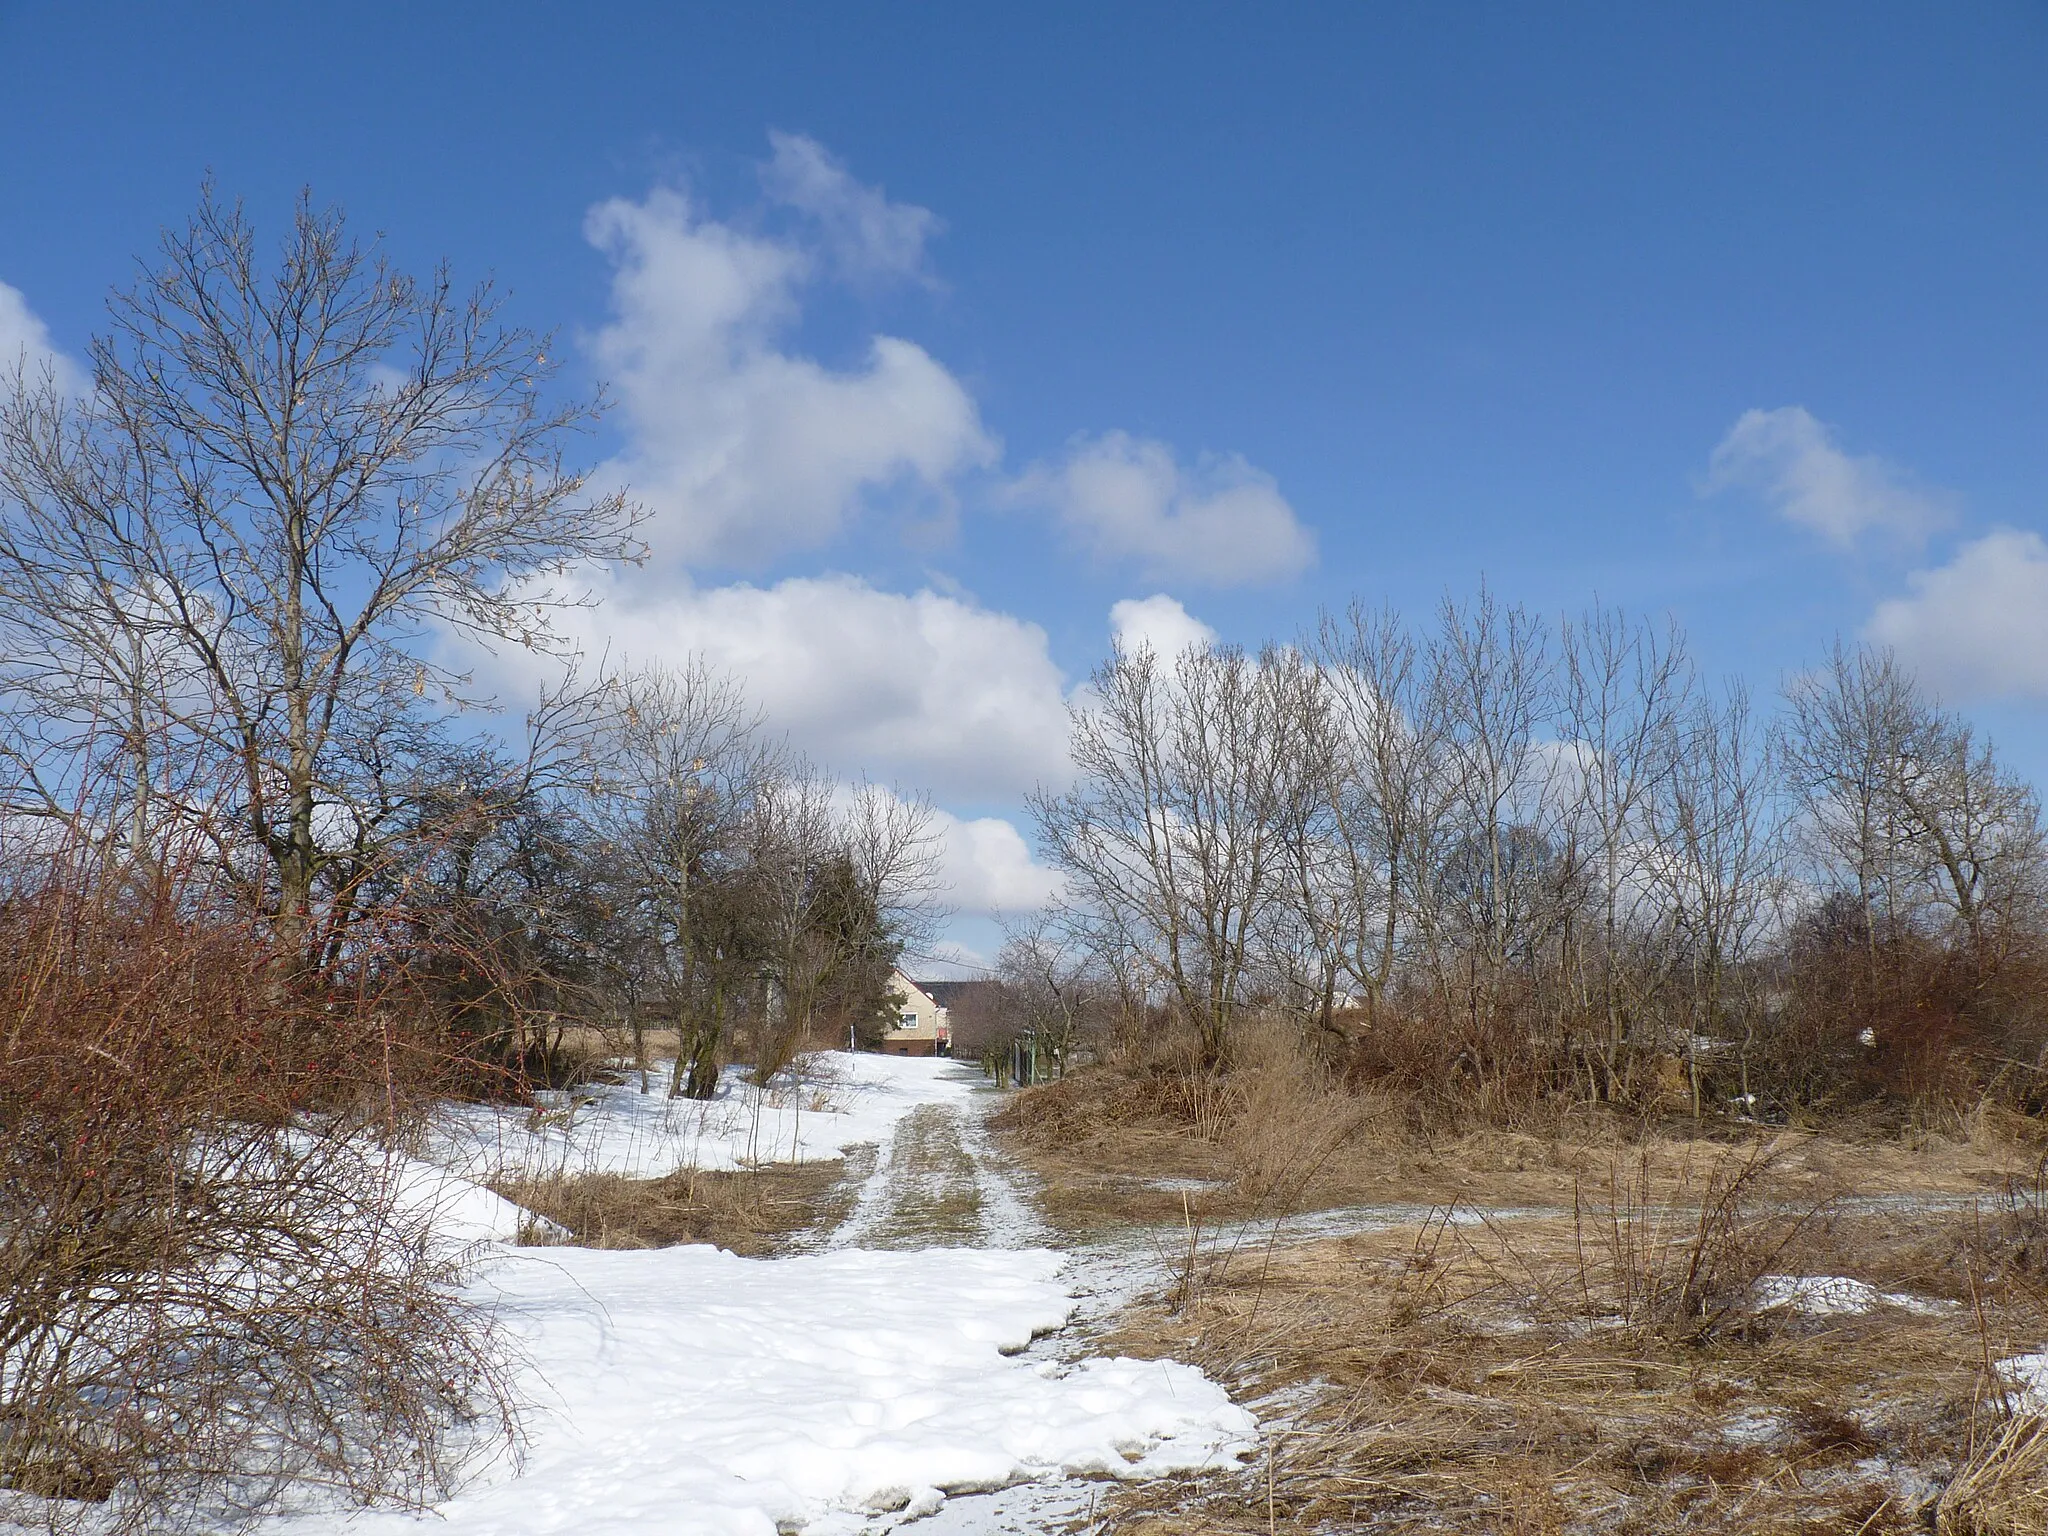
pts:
[1220, 522]
[25, 343]
[747, 451]
[869, 237]
[1976, 627]
[1793, 462]
[744, 450]
[927, 689]
[1158, 623]
[988, 869]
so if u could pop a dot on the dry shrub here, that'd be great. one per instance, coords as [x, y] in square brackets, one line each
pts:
[1287, 1116]
[1685, 1256]
[1484, 1053]
[2011, 1241]
[214, 1292]
[1277, 1111]
[1150, 1093]
[1680, 1253]
[1923, 1023]
[2002, 1489]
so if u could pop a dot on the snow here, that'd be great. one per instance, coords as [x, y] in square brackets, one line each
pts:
[459, 1211]
[2029, 1374]
[835, 1100]
[687, 1389]
[1836, 1296]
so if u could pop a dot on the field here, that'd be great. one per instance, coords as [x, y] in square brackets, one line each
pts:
[1613, 1325]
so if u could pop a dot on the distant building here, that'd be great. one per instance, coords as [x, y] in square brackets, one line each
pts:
[921, 1026]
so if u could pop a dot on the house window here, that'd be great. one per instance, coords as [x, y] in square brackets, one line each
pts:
[906, 1021]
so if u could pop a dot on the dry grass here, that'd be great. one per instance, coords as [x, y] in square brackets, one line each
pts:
[753, 1212]
[1411, 1384]
[1123, 1145]
[2003, 1488]
[1580, 1336]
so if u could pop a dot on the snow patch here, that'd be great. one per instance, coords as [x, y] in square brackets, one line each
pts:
[2029, 1376]
[834, 1100]
[461, 1212]
[690, 1389]
[1837, 1296]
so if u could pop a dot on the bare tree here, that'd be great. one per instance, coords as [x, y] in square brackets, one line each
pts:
[1977, 827]
[1389, 785]
[1493, 669]
[1719, 836]
[689, 773]
[1849, 726]
[891, 841]
[284, 479]
[1622, 689]
[1304, 941]
[1054, 984]
[1168, 838]
[1901, 798]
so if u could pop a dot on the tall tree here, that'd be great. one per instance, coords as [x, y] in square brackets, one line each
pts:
[287, 479]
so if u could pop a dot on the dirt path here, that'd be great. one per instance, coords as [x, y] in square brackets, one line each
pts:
[940, 1183]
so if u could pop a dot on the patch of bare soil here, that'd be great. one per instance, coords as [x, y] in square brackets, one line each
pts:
[754, 1212]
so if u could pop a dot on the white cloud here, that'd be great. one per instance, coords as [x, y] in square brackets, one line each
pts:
[985, 865]
[25, 343]
[1792, 461]
[1123, 498]
[929, 690]
[870, 237]
[988, 867]
[1978, 626]
[743, 450]
[1158, 623]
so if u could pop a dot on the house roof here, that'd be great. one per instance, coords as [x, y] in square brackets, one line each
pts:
[953, 994]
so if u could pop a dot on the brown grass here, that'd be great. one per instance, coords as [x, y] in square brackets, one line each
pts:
[1127, 1143]
[753, 1212]
[1409, 1385]
[1596, 1353]
[2003, 1488]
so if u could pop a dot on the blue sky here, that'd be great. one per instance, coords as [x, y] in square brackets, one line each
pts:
[1732, 312]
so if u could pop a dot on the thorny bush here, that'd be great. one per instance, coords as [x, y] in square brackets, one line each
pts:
[213, 1292]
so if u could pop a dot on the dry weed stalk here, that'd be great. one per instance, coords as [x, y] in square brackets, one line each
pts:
[1690, 1262]
[2003, 1489]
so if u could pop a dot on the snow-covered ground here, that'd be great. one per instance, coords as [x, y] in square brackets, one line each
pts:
[839, 1099]
[460, 1211]
[2028, 1376]
[689, 1390]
